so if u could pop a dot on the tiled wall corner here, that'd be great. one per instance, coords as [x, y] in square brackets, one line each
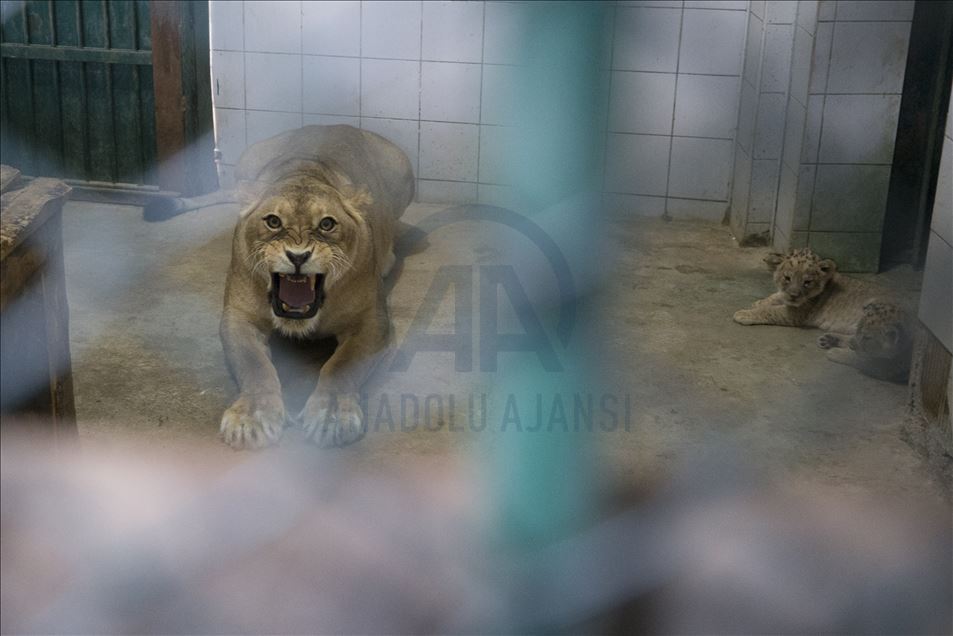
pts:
[832, 141]
[771, 30]
[853, 107]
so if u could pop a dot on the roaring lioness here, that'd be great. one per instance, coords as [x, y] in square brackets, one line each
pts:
[314, 240]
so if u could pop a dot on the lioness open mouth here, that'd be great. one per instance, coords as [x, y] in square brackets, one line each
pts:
[296, 296]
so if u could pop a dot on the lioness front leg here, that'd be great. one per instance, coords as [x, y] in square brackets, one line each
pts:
[332, 415]
[257, 417]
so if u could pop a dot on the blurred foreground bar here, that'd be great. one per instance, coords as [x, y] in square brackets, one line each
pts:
[544, 484]
[36, 384]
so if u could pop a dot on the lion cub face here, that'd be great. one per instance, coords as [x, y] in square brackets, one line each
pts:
[800, 275]
[303, 238]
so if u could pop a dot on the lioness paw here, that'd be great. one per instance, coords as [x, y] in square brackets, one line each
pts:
[829, 341]
[329, 422]
[253, 421]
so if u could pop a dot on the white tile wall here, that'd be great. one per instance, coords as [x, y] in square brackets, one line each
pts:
[711, 42]
[273, 26]
[228, 78]
[391, 88]
[793, 135]
[675, 87]
[331, 27]
[776, 65]
[764, 189]
[812, 129]
[853, 130]
[854, 78]
[875, 10]
[770, 127]
[446, 191]
[503, 32]
[332, 85]
[936, 297]
[495, 148]
[780, 11]
[449, 151]
[453, 31]
[311, 119]
[262, 124]
[273, 82]
[637, 164]
[699, 169]
[752, 62]
[844, 196]
[707, 106]
[226, 28]
[821, 58]
[646, 39]
[436, 79]
[641, 102]
[629, 204]
[450, 91]
[942, 222]
[230, 131]
[868, 57]
[390, 29]
[498, 105]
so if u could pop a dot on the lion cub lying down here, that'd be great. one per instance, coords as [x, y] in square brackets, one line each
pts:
[314, 239]
[871, 334]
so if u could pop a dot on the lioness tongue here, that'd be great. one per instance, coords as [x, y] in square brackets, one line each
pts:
[296, 294]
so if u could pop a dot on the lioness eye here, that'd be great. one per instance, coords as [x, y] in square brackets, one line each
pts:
[807, 283]
[273, 221]
[327, 224]
[787, 279]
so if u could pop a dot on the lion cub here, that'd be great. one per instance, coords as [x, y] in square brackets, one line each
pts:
[873, 335]
[882, 347]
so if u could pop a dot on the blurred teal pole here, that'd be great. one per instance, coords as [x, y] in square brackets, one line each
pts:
[545, 486]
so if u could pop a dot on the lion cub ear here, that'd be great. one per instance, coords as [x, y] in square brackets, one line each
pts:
[356, 197]
[772, 260]
[827, 267]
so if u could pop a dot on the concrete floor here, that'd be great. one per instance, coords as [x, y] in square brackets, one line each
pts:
[148, 367]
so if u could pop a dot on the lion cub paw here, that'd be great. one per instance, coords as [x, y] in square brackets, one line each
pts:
[745, 317]
[829, 341]
[253, 421]
[333, 422]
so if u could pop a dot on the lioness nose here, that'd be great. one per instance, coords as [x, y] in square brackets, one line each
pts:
[297, 258]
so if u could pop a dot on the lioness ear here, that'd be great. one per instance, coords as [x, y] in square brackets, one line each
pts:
[827, 267]
[772, 260]
[356, 196]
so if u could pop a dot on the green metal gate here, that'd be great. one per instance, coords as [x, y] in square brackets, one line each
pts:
[78, 98]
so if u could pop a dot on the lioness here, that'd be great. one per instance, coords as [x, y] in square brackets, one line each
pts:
[314, 240]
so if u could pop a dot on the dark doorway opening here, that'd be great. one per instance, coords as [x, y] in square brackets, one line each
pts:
[916, 158]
